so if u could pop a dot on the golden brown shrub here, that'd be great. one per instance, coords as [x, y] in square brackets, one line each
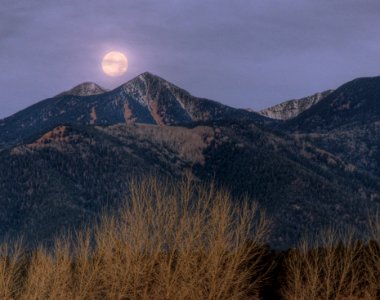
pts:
[168, 241]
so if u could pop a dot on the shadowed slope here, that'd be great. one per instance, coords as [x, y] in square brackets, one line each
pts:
[66, 175]
[345, 123]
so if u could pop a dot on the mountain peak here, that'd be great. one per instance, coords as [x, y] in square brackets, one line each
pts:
[85, 89]
[150, 77]
[147, 75]
[352, 104]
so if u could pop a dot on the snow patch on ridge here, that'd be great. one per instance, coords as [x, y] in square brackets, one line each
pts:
[85, 89]
[292, 108]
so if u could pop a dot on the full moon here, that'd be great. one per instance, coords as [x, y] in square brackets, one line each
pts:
[114, 64]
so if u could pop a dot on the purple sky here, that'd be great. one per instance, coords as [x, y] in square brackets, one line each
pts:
[251, 53]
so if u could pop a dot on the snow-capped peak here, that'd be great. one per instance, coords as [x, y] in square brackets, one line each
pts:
[85, 89]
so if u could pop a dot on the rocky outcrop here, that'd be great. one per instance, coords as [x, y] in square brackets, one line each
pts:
[292, 108]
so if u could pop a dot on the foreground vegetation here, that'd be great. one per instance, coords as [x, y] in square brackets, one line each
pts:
[189, 241]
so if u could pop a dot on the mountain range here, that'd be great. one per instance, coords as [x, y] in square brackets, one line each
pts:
[145, 99]
[309, 163]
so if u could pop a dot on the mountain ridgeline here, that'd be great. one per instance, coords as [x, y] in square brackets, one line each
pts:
[145, 99]
[292, 108]
[66, 158]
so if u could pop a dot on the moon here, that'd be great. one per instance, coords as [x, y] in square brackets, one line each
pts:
[114, 64]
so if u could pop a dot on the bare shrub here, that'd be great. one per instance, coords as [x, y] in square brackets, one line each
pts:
[182, 242]
[12, 266]
[49, 274]
[168, 241]
[373, 258]
[328, 266]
